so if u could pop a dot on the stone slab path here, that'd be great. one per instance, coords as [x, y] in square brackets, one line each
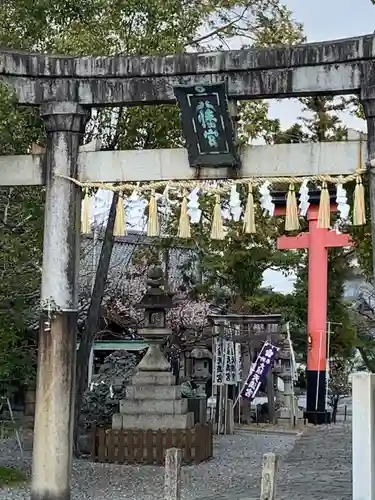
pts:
[319, 466]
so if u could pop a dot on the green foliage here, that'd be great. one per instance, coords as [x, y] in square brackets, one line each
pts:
[10, 476]
[21, 226]
[292, 135]
[19, 126]
[325, 124]
[320, 122]
[99, 27]
[364, 319]
[230, 272]
[21, 211]
[361, 236]
[339, 384]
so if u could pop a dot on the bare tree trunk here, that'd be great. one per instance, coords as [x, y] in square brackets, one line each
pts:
[369, 363]
[93, 317]
[335, 406]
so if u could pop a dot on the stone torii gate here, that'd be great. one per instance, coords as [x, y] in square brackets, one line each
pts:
[66, 88]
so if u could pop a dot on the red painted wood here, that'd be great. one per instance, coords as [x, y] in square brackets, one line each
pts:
[316, 241]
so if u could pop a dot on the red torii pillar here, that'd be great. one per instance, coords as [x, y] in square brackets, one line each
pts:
[316, 241]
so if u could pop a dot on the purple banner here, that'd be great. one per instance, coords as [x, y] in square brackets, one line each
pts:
[259, 371]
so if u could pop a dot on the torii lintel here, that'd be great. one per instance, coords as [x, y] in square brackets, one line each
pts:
[303, 240]
[323, 68]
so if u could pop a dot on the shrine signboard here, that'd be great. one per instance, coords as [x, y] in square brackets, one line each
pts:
[207, 125]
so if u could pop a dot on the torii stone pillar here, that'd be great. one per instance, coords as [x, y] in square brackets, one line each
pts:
[368, 101]
[54, 417]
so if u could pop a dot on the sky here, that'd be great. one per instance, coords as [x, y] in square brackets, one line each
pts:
[322, 20]
[327, 20]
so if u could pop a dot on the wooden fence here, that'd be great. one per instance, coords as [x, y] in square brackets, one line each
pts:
[149, 447]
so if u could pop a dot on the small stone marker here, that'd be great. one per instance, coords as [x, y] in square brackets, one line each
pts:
[172, 476]
[269, 470]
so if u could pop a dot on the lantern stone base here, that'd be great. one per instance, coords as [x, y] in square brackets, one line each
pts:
[151, 422]
[286, 416]
[153, 402]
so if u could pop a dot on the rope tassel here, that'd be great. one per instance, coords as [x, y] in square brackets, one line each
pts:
[324, 216]
[217, 230]
[291, 216]
[184, 223]
[249, 216]
[120, 224]
[85, 222]
[359, 209]
[153, 228]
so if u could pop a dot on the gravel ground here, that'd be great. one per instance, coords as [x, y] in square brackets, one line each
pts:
[316, 466]
[232, 473]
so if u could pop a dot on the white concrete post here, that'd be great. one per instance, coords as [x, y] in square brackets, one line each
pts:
[269, 471]
[363, 436]
[54, 414]
[172, 477]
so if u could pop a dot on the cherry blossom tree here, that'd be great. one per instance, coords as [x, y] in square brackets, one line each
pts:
[339, 383]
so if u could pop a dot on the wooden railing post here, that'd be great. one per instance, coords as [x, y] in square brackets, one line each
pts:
[269, 471]
[94, 447]
[172, 476]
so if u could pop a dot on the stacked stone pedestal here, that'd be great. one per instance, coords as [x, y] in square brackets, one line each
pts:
[288, 417]
[153, 402]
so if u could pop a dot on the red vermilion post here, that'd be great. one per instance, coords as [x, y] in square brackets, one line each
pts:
[316, 241]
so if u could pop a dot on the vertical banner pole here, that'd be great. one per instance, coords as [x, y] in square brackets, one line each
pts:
[318, 376]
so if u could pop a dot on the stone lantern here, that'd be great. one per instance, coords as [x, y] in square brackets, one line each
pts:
[201, 357]
[156, 303]
[153, 400]
[288, 412]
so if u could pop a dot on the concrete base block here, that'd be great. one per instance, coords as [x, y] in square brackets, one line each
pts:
[198, 406]
[285, 417]
[155, 422]
[153, 406]
[151, 392]
[117, 421]
[153, 378]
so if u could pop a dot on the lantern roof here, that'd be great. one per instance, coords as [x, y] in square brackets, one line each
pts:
[156, 297]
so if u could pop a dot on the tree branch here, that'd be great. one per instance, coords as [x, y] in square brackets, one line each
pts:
[6, 208]
[219, 30]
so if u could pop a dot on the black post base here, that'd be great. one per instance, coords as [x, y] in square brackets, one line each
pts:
[316, 412]
[317, 418]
